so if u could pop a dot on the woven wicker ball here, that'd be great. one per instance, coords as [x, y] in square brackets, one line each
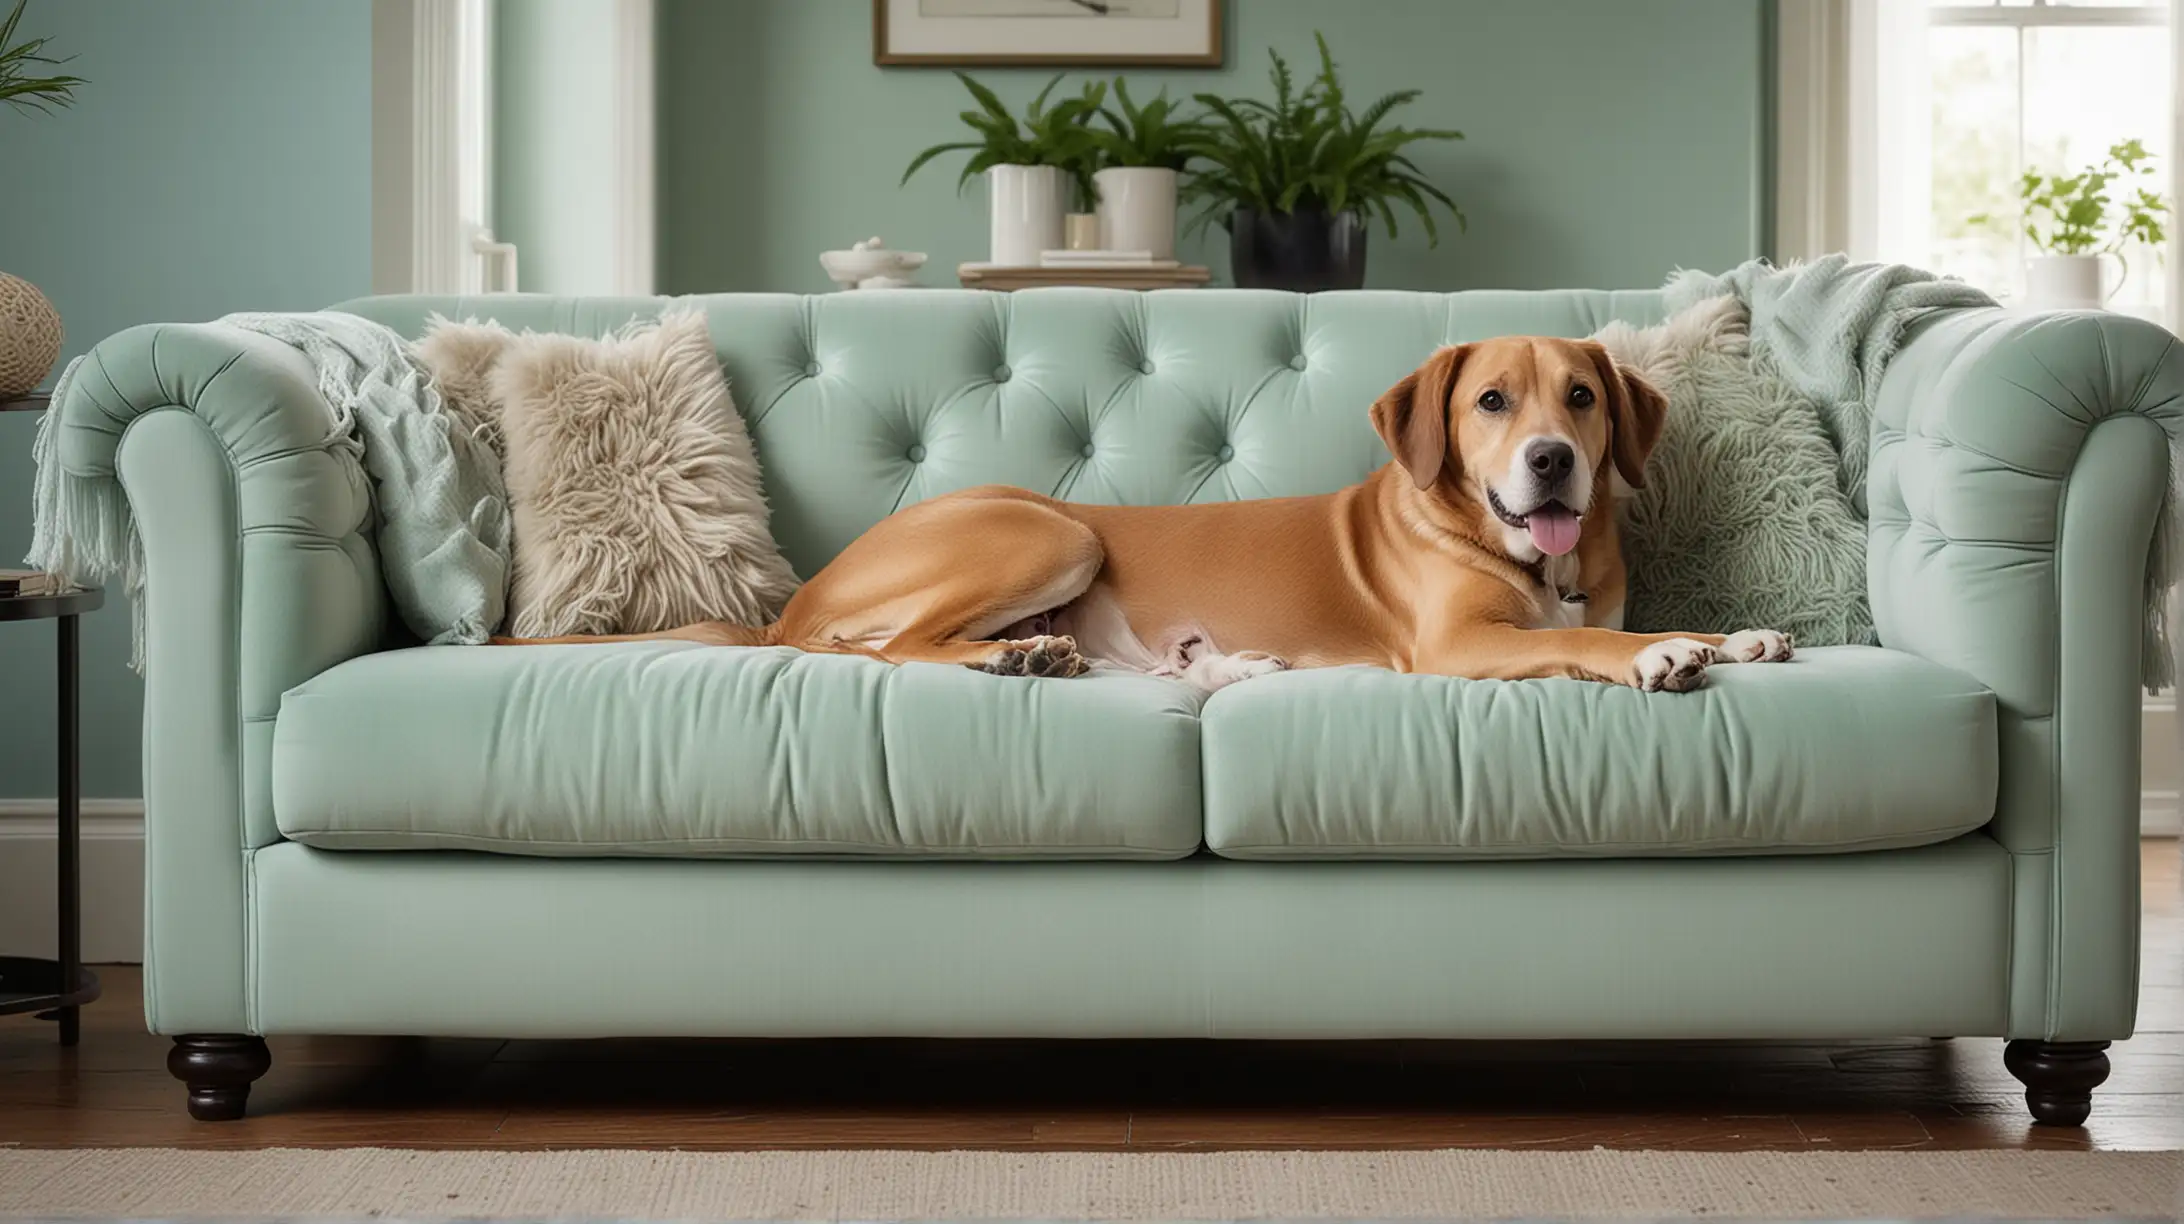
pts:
[30, 335]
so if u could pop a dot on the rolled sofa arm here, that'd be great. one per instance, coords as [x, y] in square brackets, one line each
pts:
[260, 572]
[2019, 466]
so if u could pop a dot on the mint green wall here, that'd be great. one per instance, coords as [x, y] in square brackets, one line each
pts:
[219, 160]
[552, 197]
[1610, 140]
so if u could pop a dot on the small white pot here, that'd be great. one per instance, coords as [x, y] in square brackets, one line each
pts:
[2068, 282]
[1026, 203]
[1137, 209]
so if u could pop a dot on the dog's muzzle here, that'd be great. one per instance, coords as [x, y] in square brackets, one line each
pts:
[1548, 466]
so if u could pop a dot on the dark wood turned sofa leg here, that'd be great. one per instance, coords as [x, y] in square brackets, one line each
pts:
[2059, 1077]
[218, 1069]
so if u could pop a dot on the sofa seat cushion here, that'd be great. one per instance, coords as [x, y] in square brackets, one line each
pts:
[673, 749]
[1842, 748]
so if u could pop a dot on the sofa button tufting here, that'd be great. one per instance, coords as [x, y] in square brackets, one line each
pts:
[1225, 454]
[1145, 366]
[1086, 451]
[916, 453]
[1297, 362]
[1001, 373]
[811, 369]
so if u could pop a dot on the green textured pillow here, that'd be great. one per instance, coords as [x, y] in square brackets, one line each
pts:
[1743, 523]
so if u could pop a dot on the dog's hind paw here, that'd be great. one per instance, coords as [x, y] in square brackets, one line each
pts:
[1053, 658]
[1756, 646]
[1674, 665]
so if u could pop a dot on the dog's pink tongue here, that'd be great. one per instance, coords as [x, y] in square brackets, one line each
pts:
[1553, 528]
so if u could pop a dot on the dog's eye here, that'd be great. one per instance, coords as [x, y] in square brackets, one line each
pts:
[1581, 396]
[1492, 401]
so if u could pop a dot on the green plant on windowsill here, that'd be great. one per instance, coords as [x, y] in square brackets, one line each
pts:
[2098, 211]
[20, 62]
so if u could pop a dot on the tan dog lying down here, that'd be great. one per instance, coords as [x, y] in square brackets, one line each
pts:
[1486, 550]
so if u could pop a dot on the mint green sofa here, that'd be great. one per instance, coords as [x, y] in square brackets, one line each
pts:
[349, 834]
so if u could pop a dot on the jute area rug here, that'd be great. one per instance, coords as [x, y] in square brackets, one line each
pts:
[891, 1185]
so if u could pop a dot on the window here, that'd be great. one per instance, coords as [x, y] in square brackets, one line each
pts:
[2046, 85]
[432, 142]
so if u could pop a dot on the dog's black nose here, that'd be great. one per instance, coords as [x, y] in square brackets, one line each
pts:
[1549, 460]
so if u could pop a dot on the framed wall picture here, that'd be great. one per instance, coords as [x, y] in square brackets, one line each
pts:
[1047, 33]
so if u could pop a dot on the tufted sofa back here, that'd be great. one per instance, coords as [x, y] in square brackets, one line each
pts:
[862, 403]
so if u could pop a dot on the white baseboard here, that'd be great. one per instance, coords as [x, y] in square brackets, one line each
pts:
[113, 854]
[113, 879]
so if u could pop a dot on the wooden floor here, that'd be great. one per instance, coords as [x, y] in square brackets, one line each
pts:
[113, 1090]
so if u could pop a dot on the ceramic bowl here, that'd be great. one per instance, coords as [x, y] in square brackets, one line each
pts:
[863, 262]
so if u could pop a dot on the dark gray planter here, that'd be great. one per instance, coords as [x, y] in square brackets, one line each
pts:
[1303, 252]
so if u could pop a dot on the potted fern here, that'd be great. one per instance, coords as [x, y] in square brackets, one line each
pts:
[1295, 180]
[1031, 165]
[2080, 219]
[1136, 160]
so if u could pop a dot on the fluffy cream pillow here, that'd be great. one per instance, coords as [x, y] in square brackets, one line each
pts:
[461, 357]
[632, 484]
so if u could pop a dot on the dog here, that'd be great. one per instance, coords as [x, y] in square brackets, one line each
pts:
[1485, 549]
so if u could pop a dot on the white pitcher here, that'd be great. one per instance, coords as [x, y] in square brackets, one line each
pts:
[2069, 282]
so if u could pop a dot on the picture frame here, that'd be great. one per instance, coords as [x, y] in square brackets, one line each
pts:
[1047, 33]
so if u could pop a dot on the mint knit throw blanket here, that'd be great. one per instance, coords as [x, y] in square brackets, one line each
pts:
[442, 529]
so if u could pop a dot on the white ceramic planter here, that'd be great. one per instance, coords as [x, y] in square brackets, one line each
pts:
[2067, 282]
[1137, 209]
[1026, 205]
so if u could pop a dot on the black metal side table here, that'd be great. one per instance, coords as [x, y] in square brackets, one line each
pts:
[60, 986]
[63, 985]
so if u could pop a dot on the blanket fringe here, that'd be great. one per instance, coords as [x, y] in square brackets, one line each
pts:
[82, 527]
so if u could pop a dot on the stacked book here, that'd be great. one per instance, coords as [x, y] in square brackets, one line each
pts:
[1103, 259]
[26, 584]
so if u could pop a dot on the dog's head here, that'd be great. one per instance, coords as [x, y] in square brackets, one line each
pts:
[1524, 427]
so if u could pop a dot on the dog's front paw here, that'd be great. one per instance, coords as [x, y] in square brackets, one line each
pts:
[1673, 665]
[1215, 672]
[1755, 646]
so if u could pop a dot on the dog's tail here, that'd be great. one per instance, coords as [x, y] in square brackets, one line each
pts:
[707, 633]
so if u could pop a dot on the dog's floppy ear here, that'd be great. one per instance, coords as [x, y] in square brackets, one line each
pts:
[1413, 416]
[1636, 413]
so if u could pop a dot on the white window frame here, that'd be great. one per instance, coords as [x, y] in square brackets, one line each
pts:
[432, 150]
[1840, 152]
[1841, 67]
[2045, 14]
